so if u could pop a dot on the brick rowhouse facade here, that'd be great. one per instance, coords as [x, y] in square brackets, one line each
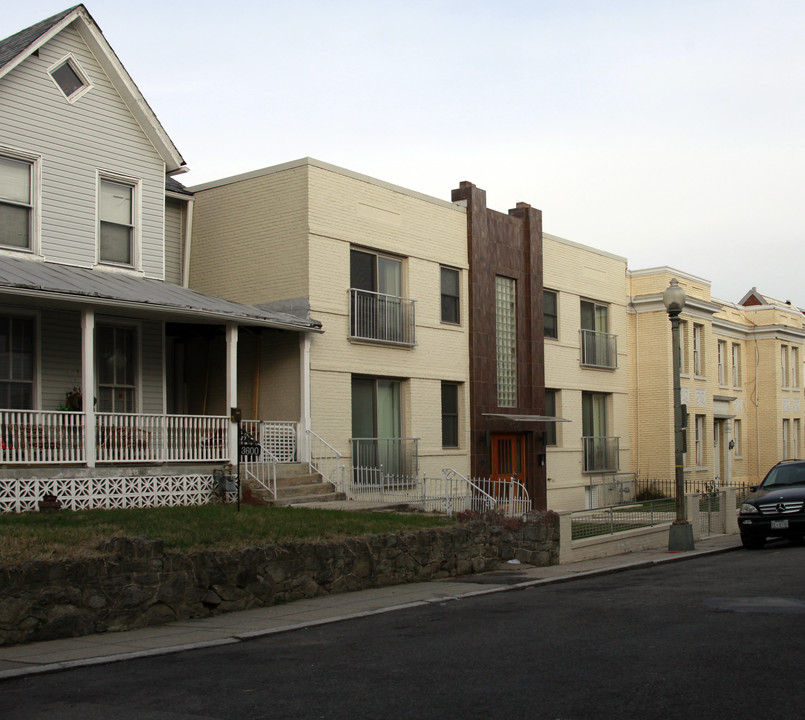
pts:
[508, 245]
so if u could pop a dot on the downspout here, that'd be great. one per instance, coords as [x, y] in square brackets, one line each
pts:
[188, 235]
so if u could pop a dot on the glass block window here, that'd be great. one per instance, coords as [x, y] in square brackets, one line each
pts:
[506, 340]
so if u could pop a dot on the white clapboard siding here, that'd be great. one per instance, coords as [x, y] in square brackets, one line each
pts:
[77, 140]
[174, 237]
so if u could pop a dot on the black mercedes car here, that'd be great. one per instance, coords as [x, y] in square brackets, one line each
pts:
[776, 507]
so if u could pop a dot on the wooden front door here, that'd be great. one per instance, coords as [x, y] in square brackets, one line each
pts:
[508, 457]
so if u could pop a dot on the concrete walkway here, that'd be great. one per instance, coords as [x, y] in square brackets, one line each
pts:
[180, 636]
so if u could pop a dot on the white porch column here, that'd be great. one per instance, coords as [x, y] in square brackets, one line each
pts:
[88, 382]
[304, 400]
[232, 386]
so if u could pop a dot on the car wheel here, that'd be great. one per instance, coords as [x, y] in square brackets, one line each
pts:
[752, 542]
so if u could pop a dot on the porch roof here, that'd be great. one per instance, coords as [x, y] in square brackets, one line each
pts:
[29, 278]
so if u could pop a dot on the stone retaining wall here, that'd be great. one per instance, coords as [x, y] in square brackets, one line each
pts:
[136, 583]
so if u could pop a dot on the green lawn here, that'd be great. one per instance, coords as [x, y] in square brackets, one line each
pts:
[40, 536]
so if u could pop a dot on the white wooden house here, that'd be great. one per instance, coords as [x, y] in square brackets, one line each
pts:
[94, 303]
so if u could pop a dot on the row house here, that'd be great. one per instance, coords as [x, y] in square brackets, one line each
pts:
[385, 270]
[741, 381]
[116, 380]
[587, 373]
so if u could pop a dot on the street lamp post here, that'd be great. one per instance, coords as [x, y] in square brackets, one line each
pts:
[681, 534]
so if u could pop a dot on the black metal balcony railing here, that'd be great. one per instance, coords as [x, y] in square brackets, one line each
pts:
[397, 457]
[381, 317]
[599, 349]
[600, 454]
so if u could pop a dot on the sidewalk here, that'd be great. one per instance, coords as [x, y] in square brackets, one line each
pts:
[180, 636]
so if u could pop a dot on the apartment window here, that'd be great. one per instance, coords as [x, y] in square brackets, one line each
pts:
[16, 202]
[377, 310]
[449, 415]
[683, 343]
[451, 305]
[737, 437]
[722, 362]
[506, 340]
[700, 440]
[377, 428]
[600, 452]
[598, 347]
[549, 314]
[795, 438]
[795, 366]
[786, 431]
[70, 78]
[550, 410]
[116, 352]
[698, 349]
[736, 365]
[116, 217]
[784, 365]
[16, 363]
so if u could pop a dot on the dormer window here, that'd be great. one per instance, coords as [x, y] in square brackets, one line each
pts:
[69, 78]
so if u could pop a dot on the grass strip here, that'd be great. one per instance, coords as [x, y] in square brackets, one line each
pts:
[55, 536]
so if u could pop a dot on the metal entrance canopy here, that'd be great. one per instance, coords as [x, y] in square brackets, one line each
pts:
[526, 418]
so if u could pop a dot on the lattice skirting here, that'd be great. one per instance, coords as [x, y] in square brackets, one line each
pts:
[23, 495]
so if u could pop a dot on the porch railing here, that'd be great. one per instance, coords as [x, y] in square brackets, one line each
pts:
[168, 438]
[44, 437]
[381, 317]
[41, 437]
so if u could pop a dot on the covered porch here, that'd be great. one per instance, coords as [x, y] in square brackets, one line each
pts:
[167, 366]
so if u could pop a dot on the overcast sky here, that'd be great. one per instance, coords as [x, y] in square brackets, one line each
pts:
[669, 132]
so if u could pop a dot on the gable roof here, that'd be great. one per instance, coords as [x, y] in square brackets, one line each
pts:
[16, 48]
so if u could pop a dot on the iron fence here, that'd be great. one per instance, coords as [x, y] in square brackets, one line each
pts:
[619, 518]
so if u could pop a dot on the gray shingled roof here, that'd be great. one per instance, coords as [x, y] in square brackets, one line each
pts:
[173, 185]
[15, 44]
[51, 280]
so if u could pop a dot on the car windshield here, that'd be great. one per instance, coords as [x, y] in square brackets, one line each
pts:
[785, 475]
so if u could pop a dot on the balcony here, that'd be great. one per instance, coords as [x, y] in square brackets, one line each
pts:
[600, 454]
[599, 349]
[381, 318]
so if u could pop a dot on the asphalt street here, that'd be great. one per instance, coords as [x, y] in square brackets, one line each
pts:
[715, 637]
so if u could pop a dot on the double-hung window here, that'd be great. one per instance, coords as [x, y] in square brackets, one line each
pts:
[449, 415]
[16, 362]
[550, 316]
[116, 352]
[736, 365]
[116, 214]
[722, 362]
[451, 305]
[698, 349]
[16, 202]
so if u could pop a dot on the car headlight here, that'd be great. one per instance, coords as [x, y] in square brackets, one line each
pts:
[747, 509]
